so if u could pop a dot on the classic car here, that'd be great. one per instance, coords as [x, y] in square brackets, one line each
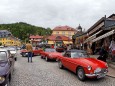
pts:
[36, 51]
[50, 54]
[61, 49]
[6, 67]
[82, 65]
[13, 51]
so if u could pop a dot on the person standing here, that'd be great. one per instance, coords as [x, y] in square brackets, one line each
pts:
[29, 49]
[103, 54]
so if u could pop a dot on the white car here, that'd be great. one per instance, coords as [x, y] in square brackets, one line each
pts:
[13, 51]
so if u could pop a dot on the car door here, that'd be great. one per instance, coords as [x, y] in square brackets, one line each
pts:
[66, 58]
[70, 62]
[35, 51]
[11, 61]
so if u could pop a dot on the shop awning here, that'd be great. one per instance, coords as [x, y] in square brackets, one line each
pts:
[92, 37]
[105, 35]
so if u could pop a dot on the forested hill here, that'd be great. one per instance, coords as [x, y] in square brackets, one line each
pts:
[23, 30]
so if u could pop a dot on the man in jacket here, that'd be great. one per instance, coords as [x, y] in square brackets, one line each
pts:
[29, 49]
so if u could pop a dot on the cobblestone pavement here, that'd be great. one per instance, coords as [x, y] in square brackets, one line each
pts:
[42, 73]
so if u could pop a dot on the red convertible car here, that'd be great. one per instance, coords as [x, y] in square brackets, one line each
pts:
[80, 63]
[36, 51]
[50, 54]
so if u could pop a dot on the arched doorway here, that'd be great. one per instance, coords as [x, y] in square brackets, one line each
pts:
[59, 41]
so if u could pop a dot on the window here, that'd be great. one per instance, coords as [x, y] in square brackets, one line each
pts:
[57, 32]
[63, 33]
[69, 33]
[67, 54]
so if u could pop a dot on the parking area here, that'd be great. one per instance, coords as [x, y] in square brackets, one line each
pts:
[42, 73]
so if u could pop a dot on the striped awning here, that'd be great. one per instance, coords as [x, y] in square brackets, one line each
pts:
[104, 35]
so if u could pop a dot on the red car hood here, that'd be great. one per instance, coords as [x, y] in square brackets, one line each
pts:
[24, 50]
[56, 53]
[94, 63]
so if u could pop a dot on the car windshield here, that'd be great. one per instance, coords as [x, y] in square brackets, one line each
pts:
[11, 49]
[79, 55]
[3, 56]
[50, 50]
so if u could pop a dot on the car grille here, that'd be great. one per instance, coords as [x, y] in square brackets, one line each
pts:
[103, 70]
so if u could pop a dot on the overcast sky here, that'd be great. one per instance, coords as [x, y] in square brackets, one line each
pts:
[51, 13]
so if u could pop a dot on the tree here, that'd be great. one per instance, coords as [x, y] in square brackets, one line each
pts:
[0, 43]
[23, 30]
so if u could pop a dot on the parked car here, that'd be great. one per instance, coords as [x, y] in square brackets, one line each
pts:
[13, 51]
[79, 62]
[50, 54]
[61, 49]
[36, 51]
[6, 67]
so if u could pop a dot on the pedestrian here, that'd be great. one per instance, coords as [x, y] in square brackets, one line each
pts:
[29, 49]
[52, 46]
[102, 54]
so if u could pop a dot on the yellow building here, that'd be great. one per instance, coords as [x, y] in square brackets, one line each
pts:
[64, 30]
[7, 39]
[62, 35]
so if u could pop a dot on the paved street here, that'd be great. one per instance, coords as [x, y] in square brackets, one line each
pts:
[42, 73]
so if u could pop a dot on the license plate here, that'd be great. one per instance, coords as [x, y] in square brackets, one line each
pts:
[101, 76]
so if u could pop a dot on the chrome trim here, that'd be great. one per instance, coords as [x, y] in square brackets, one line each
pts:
[93, 75]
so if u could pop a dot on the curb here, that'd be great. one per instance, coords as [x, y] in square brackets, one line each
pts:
[111, 65]
[110, 76]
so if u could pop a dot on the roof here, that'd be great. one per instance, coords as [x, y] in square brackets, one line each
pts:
[58, 37]
[64, 28]
[78, 34]
[36, 36]
[99, 21]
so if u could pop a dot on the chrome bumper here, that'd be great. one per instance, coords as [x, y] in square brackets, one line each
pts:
[98, 75]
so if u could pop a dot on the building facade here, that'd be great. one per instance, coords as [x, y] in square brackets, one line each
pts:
[101, 33]
[35, 39]
[59, 40]
[64, 30]
[7, 39]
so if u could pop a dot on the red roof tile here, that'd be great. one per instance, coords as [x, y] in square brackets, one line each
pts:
[64, 28]
[61, 37]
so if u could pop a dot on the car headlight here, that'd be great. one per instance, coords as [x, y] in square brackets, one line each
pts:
[97, 70]
[2, 79]
[89, 67]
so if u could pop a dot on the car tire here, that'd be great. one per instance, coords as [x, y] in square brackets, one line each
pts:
[41, 57]
[8, 82]
[60, 64]
[81, 74]
[46, 58]
[15, 58]
[23, 54]
[32, 54]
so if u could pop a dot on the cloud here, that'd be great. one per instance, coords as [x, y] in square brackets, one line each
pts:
[51, 13]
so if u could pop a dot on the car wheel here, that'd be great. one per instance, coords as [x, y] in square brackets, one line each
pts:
[60, 65]
[81, 74]
[41, 57]
[8, 82]
[32, 54]
[23, 54]
[15, 59]
[46, 58]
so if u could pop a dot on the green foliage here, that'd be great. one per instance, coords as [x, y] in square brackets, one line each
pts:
[24, 30]
[0, 43]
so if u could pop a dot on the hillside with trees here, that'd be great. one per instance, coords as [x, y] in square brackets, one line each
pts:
[23, 30]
